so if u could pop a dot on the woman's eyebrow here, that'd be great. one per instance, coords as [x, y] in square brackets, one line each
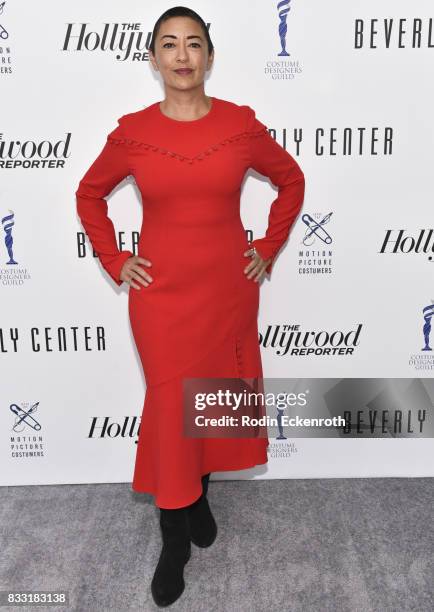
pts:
[173, 36]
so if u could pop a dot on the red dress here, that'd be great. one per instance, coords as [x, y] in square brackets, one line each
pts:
[198, 318]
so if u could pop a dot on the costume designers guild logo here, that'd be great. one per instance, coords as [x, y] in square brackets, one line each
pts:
[12, 274]
[424, 360]
[279, 446]
[288, 67]
[316, 258]
[5, 50]
[26, 441]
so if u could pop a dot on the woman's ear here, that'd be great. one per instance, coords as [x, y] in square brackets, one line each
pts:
[210, 60]
[152, 60]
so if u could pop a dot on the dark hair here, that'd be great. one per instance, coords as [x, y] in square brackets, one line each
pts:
[180, 11]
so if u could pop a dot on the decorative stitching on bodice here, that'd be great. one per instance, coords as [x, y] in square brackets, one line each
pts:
[216, 147]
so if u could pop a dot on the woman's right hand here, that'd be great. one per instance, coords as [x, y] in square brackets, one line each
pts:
[132, 271]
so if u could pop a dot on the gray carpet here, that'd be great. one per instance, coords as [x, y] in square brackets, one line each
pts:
[353, 545]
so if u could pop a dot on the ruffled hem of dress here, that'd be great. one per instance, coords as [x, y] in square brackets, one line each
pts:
[216, 467]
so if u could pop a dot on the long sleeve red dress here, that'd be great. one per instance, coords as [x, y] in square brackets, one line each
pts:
[198, 317]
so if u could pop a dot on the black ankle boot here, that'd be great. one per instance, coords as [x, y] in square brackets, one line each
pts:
[168, 581]
[205, 481]
[203, 528]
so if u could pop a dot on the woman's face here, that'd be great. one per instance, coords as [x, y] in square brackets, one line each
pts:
[181, 44]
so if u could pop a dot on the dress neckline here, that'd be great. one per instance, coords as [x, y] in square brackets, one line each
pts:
[208, 115]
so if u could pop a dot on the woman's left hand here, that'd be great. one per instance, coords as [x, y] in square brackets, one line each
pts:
[257, 266]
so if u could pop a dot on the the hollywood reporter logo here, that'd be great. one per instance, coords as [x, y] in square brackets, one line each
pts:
[127, 40]
[34, 154]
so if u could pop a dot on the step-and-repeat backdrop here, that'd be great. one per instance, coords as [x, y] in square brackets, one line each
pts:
[346, 88]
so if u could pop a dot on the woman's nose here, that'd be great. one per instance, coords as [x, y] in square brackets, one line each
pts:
[182, 51]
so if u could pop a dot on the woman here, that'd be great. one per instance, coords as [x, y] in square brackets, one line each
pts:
[194, 285]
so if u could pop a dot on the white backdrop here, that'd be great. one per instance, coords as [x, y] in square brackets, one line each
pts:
[71, 409]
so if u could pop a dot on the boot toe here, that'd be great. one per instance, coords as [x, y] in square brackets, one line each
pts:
[168, 582]
[164, 595]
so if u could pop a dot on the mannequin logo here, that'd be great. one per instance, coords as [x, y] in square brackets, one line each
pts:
[283, 10]
[280, 411]
[424, 360]
[285, 69]
[10, 275]
[8, 223]
[428, 313]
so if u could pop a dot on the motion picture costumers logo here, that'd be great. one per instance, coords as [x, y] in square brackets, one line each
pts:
[11, 276]
[5, 51]
[27, 443]
[424, 360]
[317, 260]
[282, 69]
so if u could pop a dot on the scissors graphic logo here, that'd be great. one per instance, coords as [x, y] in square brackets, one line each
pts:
[4, 35]
[23, 418]
[315, 229]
